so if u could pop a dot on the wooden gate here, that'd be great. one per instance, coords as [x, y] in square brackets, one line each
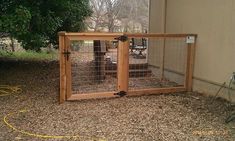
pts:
[106, 65]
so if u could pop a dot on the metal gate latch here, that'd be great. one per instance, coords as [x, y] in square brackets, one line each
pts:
[122, 38]
[66, 54]
[121, 93]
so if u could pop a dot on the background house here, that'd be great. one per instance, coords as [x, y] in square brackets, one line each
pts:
[213, 21]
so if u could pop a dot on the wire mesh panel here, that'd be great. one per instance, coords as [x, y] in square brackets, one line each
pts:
[157, 63]
[175, 61]
[93, 68]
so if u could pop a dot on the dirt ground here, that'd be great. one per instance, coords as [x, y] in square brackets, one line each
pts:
[170, 117]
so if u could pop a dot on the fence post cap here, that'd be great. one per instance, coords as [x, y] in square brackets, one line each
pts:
[62, 33]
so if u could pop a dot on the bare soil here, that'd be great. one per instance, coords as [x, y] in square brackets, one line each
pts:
[178, 116]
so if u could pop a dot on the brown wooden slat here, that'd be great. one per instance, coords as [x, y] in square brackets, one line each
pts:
[190, 66]
[130, 93]
[62, 69]
[96, 34]
[158, 35]
[90, 38]
[156, 91]
[92, 96]
[130, 35]
[123, 65]
[68, 69]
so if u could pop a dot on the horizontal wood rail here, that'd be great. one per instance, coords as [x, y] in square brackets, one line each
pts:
[130, 93]
[92, 96]
[156, 91]
[93, 35]
[157, 35]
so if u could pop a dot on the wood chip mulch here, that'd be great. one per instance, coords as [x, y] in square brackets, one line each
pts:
[179, 116]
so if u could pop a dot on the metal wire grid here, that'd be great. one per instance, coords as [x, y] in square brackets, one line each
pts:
[175, 61]
[94, 67]
[91, 62]
[146, 72]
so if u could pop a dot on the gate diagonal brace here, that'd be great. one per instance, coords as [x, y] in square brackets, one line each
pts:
[122, 38]
[121, 93]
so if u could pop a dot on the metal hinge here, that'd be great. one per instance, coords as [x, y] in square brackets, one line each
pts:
[66, 54]
[121, 93]
[122, 38]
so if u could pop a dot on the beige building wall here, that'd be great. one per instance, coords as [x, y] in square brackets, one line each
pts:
[156, 26]
[214, 22]
[156, 10]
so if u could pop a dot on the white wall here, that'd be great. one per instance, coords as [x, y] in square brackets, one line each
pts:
[214, 22]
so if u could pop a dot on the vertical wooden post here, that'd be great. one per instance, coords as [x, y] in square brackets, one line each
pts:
[62, 67]
[162, 65]
[190, 66]
[68, 69]
[123, 65]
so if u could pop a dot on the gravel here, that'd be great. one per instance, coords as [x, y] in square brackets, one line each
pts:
[179, 116]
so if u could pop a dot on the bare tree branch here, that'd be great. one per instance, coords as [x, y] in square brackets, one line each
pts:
[119, 15]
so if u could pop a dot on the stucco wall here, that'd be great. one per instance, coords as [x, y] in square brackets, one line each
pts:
[156, 26]
[214, 22]
[156, 16]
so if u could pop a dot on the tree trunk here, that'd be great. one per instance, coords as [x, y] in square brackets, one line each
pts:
[12, 44]
[50, 46]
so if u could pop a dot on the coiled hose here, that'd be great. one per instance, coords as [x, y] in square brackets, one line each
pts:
[6, 90]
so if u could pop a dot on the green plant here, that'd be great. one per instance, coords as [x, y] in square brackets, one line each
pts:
[36, 23]
[29, 55]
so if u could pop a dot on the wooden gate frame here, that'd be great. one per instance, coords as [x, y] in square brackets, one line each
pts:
[123, 65]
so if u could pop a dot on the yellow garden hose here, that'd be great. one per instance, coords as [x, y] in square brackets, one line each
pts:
[6, 90]
[6, 121]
